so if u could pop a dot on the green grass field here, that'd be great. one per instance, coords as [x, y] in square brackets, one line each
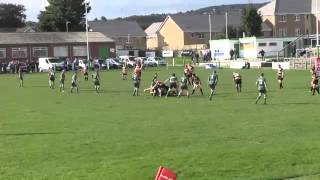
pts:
[48, 135]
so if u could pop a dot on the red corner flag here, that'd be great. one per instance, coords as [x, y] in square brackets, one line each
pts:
[165, 174]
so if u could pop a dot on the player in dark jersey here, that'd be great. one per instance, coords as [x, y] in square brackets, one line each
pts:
[151, 89]
[196, 82]
[86, 73]
[183, 86]
[315, 84]
[280, 76]
[96, 80]
[212, 83]
[136, 84]
[20, 76]
[262, 88]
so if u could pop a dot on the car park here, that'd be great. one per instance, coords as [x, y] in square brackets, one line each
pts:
[159, 61]
[113, 64]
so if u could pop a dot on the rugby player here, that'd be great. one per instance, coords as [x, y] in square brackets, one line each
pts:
[173, 84]
[62, 79]
[196, 82]
[262, 88]
[280, 76]
[212, 83]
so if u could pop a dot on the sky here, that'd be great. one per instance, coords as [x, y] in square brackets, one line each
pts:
[122, 8]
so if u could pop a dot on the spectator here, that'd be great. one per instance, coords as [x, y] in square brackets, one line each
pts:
[262, 53]
[197, 57]
[231, 54]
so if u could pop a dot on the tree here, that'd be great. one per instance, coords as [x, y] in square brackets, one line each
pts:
[251, 21]
[58, 12]
[233, 32]
[12, 15]
[103, 18]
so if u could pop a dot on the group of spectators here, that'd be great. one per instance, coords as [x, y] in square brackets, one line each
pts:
[14, 65]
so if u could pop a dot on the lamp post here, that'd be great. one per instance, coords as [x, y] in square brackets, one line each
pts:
[227, 25]
[210, 23]
[87, 34]
[317, 24]
[67, 27]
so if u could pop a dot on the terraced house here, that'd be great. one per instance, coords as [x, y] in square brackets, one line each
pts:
[180, 32]
[289, 18]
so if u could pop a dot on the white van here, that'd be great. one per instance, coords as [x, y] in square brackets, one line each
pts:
[129, 60]
[50, 63]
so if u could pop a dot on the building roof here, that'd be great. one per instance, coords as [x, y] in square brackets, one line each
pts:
[268, 9]
[26, 29]
[153, 29]
[293, 6]
[52, 38]
[266, 26]
[200, 23]
[117, 28]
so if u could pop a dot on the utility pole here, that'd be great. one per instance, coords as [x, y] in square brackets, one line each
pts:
[67, 27]
[227, 25]
[317, 24]
[87, 34]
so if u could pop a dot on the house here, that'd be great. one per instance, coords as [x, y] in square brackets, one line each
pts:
[31, 46]
[289, 18]
[179, 32]
[126, 34]
[153, 36]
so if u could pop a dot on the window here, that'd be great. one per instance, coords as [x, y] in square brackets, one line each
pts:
[297, 17]
[273, 44]
[282, 32]
[283, 18]
[40, 52]
[201, 35]
[262, 44]
[298, 31]
[60, 51]
[3, 53]
[197, 35]
[21, 52]
[79, 51]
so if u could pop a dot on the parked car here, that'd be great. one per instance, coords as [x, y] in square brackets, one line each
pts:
[159, 61]
[113, 64]
[140, 59]
[150, 62]
[50, 63]
[129, 60]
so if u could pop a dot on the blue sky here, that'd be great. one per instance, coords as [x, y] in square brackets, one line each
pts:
[122, 8]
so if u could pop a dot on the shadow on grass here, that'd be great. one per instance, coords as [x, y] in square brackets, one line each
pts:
[30, 134]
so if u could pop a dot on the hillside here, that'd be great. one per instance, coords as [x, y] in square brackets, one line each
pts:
[146, 20]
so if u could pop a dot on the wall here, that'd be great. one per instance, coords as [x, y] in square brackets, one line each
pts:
[94, 50]
[152, 42]
[171, 37]
[291, 25]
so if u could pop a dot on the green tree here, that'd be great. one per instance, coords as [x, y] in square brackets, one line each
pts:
[58, 12]
[251, 21]
[103, 18]
[12, 15]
